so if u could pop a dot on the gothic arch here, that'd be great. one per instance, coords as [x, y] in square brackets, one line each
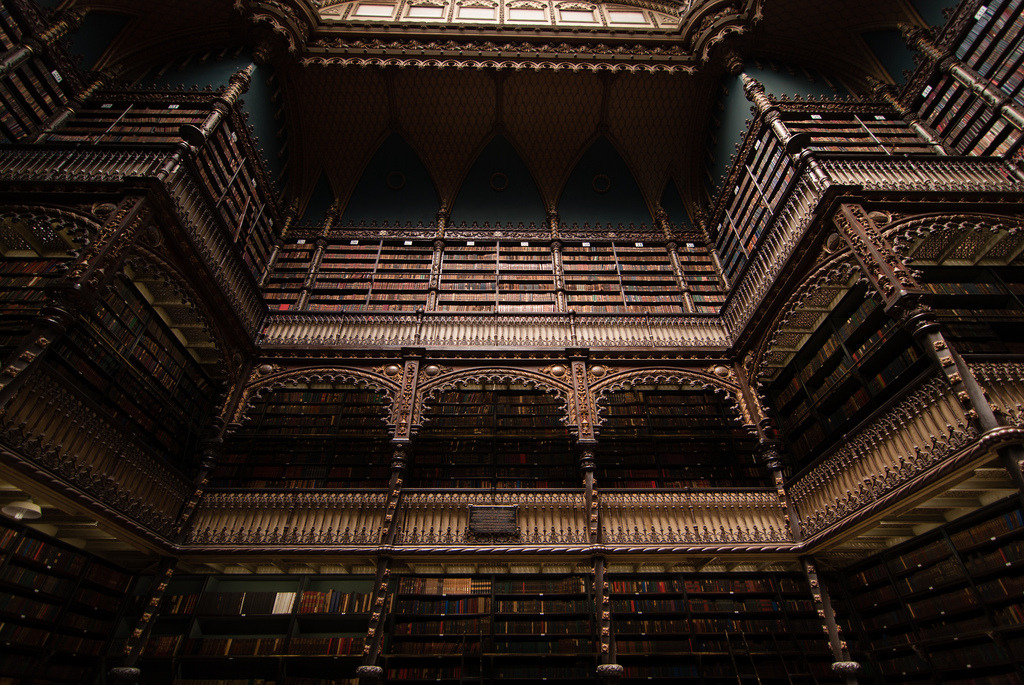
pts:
[268, 378]
[838, 269]
[51, 220]
[532, 379]
[937, 230]
[728, 390]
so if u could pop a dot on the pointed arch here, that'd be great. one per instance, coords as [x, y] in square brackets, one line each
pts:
[602, 187]
[428, 391]
[498, 185]
[394, 186]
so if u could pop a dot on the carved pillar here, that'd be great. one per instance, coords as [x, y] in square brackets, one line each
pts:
[795, 144]
[558, 269]
[75, 293]
[314, 268]
[434, 285]
[66, 22]
[607, 670]
[127, 671]
[238, 84]
[672, 247]
[769, 450]
[887, 93]
[290, 214]
[842, 665]
[905, 299]
[405, 410]
[369, 671]
[876, 256]
[919, 39]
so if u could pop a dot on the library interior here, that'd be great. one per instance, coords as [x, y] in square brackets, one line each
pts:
[471, 341]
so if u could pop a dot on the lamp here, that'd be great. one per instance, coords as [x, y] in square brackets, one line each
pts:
[22, 510]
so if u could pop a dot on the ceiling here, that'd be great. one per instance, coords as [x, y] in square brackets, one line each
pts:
[339, 89]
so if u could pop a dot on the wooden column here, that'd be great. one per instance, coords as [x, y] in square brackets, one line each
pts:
[75, 294]
[661, 218]
[127, 672]
[842, 665]
[238, 84]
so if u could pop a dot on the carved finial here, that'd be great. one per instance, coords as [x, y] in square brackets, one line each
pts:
[733, 62]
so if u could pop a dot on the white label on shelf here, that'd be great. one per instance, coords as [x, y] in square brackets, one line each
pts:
[980, 13]
[879, 117]
[106, 105]
[690, 245]
[300, 241]
[408, 242]
[639, 244]
[816, 116]
[470, 243]
[586, 244]
[234, 137]
[56, 76]
[353, 242]
[524, 244]
[926, 91]
[173, 106]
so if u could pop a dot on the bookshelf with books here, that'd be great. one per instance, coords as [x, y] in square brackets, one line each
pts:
[865, 128]
[290, 273]
[851, 364]
[469, 277]
[526, 281]
[267, 626]
[993, 46]
[36, 89]
[325, 436]
[490, 628]
[58, 607]
[662, 437]
[765, 173]
[982, 310]
[494, 436]
[401, 278]
[132, 364]
[701, 277]
[946, 606]
[714, 627]
[649, 283]
[23, 282]
[592, 280]
[344, 276]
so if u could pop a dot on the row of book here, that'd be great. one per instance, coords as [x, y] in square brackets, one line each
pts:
[245, 603]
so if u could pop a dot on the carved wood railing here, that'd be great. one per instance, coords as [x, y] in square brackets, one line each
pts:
[47, 425]
[489, 330]
[42, 164]
[289, 518]
[752, 516]
[951, 174]
[1004, 383]
[920, 431]
[442, 518]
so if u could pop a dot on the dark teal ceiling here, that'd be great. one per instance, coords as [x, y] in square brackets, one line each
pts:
[395, 187]
[499, 188]
[602, 186]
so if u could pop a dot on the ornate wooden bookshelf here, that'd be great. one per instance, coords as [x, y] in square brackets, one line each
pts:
[852, 362]
[655, 437]
[990, 43]
[326, 437]
[58, 607]
[947, 606]
[274, 628]
[707, 628]
[494, 436]
[490, 628]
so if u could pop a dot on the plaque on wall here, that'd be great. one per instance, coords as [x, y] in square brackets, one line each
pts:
[493, 521]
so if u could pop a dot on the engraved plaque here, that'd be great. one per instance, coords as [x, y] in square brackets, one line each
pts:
[493, 520]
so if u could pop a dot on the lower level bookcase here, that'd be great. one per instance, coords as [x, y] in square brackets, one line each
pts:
[946, 607]
[713, 628]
